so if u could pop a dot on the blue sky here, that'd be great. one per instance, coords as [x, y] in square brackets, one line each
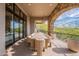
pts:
[16, 24]
[68, 19]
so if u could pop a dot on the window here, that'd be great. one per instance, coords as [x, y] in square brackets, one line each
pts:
[10, 6]
[25, 30]
[16, 28]
[9, 28]
[17, 11]
[22, 15]
[15, 24]
[21, 28]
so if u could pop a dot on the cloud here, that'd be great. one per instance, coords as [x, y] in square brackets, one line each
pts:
[75, 15]
[67, 18]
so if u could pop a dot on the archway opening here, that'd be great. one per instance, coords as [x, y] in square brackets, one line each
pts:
[41, 26]
[67, 25]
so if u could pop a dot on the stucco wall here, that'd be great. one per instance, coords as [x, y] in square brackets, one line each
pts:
[2, 29]
[32, 25]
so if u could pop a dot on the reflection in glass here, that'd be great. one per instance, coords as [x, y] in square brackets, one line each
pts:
[10, 6]
[25, 29]
[21, 28]
[17, 10]
[16, 28]
[9, 28]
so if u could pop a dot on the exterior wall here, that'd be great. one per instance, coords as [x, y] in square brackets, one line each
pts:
[2, 29]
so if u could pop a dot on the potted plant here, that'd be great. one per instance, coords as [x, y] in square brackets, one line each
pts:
[73, 42]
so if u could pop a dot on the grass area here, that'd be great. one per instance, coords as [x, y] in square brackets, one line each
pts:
[65, 33]
[73, 31]
[42, 27]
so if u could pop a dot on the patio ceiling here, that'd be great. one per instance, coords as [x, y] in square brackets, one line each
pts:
[38, 9]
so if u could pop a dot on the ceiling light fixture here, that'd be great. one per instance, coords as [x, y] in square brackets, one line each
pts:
[29, 4]
[50, 4]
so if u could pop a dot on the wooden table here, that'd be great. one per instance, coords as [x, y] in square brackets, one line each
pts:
[38, 42]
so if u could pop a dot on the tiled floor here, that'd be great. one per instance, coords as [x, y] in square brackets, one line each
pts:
[59, 48]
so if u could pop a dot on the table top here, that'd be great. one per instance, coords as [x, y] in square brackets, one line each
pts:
[38, 36]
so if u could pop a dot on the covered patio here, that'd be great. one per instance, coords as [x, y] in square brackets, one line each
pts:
[22, 29]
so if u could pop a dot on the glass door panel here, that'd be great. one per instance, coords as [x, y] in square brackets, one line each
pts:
[10, 6]
[25, 31]
[16, 28]
[9, 28]
[21, 28]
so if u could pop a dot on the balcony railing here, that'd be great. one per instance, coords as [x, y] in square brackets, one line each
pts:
[66, 36]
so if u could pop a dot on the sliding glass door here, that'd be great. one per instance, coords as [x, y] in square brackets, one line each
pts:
[24, 30]
[15, 24]
[9, 28]
[21, 28]
[16, 28]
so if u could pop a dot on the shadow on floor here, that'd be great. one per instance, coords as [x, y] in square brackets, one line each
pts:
[62, 50]
[20, 49]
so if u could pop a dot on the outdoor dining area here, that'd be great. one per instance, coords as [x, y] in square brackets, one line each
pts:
[39, 42]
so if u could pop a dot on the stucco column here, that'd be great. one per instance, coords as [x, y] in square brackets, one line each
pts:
[49, 26]
[32, 25]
